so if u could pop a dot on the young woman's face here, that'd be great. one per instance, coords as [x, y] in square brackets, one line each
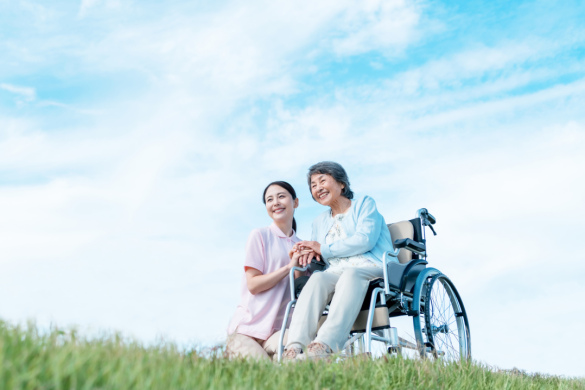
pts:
[325, 189]
[279, 204]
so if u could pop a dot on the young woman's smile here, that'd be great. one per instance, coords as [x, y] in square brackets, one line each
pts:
[280, 204]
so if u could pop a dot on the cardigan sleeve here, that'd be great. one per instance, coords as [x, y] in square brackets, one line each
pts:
[367, 233]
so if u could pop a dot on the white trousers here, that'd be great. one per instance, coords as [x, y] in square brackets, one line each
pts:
[346, 293]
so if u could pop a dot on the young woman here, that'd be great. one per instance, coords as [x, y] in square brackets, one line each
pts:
[254, 329]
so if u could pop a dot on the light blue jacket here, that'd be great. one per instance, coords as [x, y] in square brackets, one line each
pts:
[366, 231]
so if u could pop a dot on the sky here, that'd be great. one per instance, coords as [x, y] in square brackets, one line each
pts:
[136, 139]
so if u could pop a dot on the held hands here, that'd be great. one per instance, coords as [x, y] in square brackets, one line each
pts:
[302, 255]
[312, 245]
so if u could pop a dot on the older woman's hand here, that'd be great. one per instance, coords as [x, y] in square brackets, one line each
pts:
[303, 255]
[312, 245]
[307, 257]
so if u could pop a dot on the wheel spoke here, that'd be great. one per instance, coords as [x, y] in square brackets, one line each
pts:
[442, 326]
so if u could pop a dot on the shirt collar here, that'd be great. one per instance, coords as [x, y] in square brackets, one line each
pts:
[279, 232]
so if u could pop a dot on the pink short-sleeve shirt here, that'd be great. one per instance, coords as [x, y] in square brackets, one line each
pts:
[261, 315]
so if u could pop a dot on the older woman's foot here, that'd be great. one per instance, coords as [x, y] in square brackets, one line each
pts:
[318, 351]
[292, 354]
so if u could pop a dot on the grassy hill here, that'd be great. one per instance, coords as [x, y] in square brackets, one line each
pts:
[63, 360]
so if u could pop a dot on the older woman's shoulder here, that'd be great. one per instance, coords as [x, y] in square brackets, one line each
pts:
[323, 216]
[362, 200]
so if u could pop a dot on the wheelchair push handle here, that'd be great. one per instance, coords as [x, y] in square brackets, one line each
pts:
[427, 219]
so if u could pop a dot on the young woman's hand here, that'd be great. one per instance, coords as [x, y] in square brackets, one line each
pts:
[294, 259]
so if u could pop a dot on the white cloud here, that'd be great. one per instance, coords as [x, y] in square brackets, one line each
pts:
[87, 6]
[26, 93]
[453, 70]
[375, 25]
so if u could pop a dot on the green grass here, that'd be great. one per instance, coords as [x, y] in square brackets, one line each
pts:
[64, 360]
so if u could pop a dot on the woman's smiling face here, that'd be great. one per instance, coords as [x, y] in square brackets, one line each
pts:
[325, 189]
[280, 204]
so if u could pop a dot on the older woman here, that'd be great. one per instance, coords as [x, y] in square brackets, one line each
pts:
[352, 237]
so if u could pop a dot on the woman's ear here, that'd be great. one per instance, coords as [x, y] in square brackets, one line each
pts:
[296, 203]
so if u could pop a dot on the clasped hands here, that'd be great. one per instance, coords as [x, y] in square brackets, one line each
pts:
[303, 252]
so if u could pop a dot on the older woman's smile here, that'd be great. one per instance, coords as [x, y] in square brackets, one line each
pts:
[327, 191]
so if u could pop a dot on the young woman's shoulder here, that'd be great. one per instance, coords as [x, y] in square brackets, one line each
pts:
[259, 233]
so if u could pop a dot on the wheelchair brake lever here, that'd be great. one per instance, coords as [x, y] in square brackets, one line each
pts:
[432, 229]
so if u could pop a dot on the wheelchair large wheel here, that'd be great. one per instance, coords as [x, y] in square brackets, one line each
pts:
[442, 327]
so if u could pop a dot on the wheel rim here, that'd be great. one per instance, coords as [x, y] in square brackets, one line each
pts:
[445, 322]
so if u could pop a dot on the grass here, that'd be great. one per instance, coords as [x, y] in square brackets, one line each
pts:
[63, 360]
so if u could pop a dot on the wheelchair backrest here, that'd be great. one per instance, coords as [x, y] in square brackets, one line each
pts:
[406, 229]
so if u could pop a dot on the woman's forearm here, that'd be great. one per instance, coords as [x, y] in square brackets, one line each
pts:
[258, 282]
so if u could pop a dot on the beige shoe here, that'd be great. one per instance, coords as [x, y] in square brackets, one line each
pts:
[292, 354]
[318, 351]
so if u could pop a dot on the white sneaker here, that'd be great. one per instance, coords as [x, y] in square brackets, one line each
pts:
[292, 354]
[318, 351]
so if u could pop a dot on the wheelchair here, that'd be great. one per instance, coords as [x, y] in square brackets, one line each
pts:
[408, 288]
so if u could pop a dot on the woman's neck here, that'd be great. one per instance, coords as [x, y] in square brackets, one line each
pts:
[340, 206]
[285, 227]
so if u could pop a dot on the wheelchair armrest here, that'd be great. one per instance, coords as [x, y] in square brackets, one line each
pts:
[317, 265]
[411, 245]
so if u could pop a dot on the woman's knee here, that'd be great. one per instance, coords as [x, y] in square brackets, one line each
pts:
[351, 274]
[318, 283]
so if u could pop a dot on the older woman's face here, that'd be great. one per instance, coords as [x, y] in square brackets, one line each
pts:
[325, 189]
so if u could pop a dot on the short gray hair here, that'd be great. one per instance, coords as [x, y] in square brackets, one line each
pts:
[334, 170]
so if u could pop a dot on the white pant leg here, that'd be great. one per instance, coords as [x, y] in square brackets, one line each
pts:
[309, 308]
[347, 301]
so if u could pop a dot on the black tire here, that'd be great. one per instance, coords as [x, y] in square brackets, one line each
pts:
[443, 323]
[423, 345]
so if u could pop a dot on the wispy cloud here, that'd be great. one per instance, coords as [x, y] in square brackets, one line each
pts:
[25, 93]
[384, 26]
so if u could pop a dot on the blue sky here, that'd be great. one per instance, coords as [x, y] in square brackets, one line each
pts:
[136, 139]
